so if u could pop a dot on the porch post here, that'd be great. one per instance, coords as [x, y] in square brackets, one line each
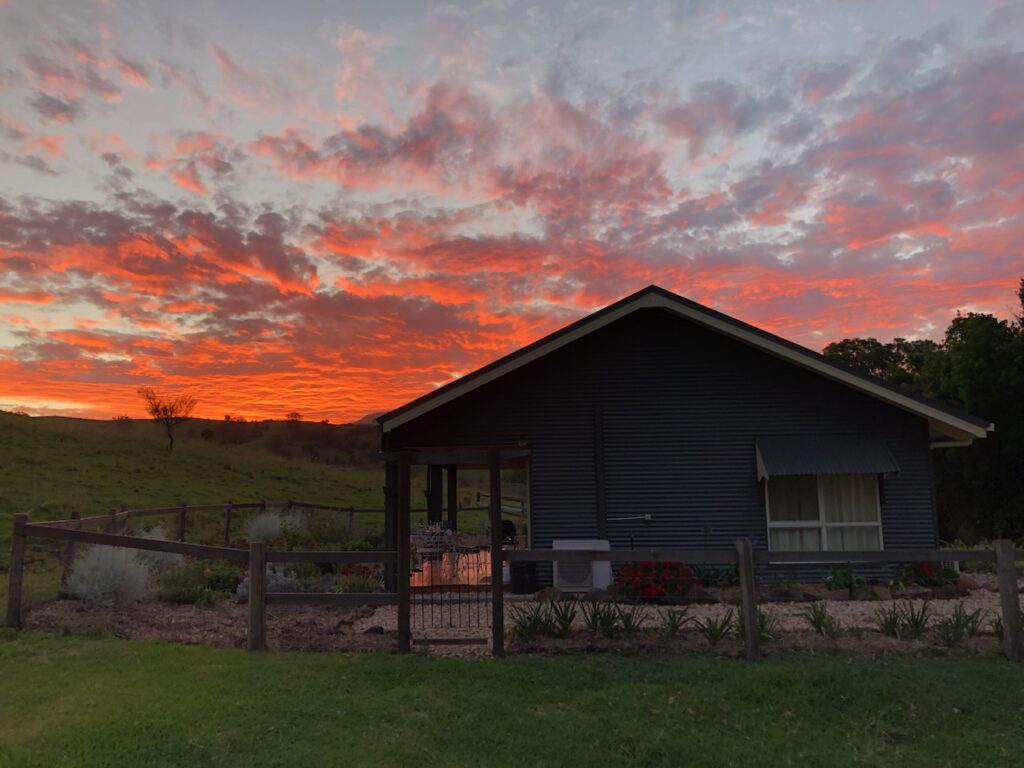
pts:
[453, 497]
[497, 587]
[434, 497]
[402, 532]
[390, 520]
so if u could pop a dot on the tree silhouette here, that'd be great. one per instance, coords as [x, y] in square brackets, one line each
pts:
[168, 411]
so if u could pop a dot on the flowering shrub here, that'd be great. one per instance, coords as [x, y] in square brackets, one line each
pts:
[649, 580]
[927, 574]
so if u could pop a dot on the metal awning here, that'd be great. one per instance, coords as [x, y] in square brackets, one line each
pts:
[823, 455]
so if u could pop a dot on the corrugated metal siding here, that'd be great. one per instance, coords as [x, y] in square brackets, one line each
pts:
[681, 409]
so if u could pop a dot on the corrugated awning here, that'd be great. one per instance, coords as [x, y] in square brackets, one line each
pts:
[823, 455]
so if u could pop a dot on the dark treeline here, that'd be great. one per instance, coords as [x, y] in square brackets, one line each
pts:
[978, 368]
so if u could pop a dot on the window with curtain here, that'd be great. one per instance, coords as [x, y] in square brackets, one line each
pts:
[808, 513]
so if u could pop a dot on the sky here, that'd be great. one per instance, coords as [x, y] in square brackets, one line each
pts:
[333, 208]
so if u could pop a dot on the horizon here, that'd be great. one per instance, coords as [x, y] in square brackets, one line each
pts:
[334, 210]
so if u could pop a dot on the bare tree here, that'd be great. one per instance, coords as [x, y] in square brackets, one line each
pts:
[169, 411]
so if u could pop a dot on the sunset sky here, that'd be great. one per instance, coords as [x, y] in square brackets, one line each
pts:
[334, 207]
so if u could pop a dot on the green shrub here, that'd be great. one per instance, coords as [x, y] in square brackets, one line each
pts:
[108, 576]
[715, 628]
[530, 621]
[358, 583]
[561, 615]
[673, 620]
[602, 618]
[715, 576]
[902, 620]
[952, 630]
[198, 583]
[824, 623]
[844, 577]
[263, 526]
[630, 619]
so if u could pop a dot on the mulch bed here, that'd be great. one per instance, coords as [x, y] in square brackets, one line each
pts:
[289, 628]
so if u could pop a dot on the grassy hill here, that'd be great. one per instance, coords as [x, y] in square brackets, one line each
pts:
[52, 466]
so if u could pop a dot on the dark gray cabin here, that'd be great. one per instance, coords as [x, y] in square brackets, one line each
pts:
[657, 422]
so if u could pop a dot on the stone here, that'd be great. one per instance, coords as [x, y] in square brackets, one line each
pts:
[878, 592]
[548, 595]
[374, 630]
[967, 581]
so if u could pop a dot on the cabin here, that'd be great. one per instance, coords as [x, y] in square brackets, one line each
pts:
[657, 422]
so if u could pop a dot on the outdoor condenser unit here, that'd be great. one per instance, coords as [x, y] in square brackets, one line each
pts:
[582, 576]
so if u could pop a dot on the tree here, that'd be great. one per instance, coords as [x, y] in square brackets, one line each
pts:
[979, 368]
[168, 411]
[293, 416]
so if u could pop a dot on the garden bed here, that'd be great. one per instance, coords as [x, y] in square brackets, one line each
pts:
[332, 629]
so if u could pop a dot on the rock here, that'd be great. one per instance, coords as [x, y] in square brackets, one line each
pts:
[548, 595]
[967, 581]
[374, 630]
[949, 592]
[914, 593]
[878, 592]
[700, 595]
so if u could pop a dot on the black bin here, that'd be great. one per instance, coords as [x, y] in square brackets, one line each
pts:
[524, 577]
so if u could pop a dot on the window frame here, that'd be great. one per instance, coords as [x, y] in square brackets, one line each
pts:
[822, 525]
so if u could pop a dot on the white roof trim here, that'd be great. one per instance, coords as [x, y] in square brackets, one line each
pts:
[960, 427]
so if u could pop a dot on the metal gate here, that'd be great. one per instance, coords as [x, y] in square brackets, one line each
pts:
[449, 583]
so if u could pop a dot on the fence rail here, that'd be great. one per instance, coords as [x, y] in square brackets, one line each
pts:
[257, 556]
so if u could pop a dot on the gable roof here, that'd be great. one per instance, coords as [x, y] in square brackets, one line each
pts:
[944, 422]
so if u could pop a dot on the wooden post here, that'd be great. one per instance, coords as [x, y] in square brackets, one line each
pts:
[434, 498]
[257, 640]
[68, 559]
[402, 534]
[227, 523]
[748, 599]
[1009, 599]
[179, 532]
[391, 522]
[497, 584]
[16, 573]
[453, 497]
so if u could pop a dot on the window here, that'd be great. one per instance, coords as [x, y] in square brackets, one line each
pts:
[810, 513]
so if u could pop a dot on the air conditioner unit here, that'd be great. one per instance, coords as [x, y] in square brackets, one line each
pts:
[582, 576]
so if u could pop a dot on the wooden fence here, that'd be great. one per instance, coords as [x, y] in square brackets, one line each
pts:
[746, 560]
[75, 530]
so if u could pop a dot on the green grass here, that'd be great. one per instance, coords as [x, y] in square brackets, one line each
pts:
[73, 701]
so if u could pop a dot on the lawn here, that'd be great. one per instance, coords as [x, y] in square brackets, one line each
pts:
[80, 701]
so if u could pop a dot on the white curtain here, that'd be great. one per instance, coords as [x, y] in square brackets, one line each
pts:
[796, 539]
[852, 539]
[850, 498]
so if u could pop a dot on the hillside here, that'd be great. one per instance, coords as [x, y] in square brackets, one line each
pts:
[50, 466]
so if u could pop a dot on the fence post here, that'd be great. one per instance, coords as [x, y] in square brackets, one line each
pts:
[17, 571]
[227, 524]
[748, 599]
[179, 532]
[257, 640]
[1009, 598]
[403, 513]
[68, 559]
[497, 583]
